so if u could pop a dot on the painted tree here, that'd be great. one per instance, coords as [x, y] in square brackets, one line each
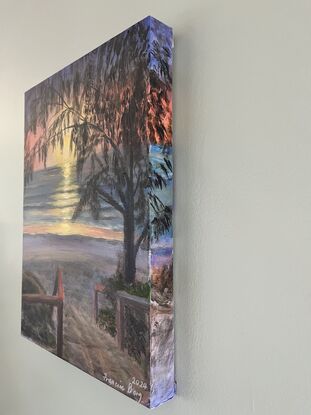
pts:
[113, 103]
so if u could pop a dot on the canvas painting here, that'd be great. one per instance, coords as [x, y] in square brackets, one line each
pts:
[97, 284]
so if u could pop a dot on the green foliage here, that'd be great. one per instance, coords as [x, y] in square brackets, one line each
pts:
[135, 325]
[117, 283]
[107, 320]
[37, 323]
[138, 288]
[136, 335]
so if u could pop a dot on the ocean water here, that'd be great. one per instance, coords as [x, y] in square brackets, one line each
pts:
[53, 193]
[50, 200]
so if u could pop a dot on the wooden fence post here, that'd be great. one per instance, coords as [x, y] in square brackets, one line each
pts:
[60, 332]
[96, 305]
[99, 288]
[120, 322]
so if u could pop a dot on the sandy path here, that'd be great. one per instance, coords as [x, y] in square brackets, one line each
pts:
[94, 351]
[85, 262]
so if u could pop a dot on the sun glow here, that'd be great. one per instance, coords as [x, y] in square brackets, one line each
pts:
[63, 201]
[63, 155]
[77, 229]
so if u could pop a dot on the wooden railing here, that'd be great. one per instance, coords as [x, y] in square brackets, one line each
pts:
[55, 300]
[99, 289]
[125, 300]
[132, 301]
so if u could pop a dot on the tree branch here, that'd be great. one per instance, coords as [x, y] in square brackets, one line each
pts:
[37, 147]
[110, 200]
[65, 103]
[112, 143]
[142, 236]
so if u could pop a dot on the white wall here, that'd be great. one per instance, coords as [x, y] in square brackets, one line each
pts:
[243, 202]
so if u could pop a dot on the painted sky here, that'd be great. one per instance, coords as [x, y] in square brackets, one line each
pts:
[54, 213]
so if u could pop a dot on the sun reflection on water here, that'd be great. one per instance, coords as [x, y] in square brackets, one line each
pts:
[67, 189]
[63, 201]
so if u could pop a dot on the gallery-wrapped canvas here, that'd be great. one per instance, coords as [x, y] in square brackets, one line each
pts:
[97, 285]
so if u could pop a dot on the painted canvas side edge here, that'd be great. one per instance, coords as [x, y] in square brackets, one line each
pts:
[162, 367]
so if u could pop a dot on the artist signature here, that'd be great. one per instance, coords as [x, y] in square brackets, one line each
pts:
[130, 389]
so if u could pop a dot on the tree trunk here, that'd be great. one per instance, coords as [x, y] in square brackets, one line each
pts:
[129, 246]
